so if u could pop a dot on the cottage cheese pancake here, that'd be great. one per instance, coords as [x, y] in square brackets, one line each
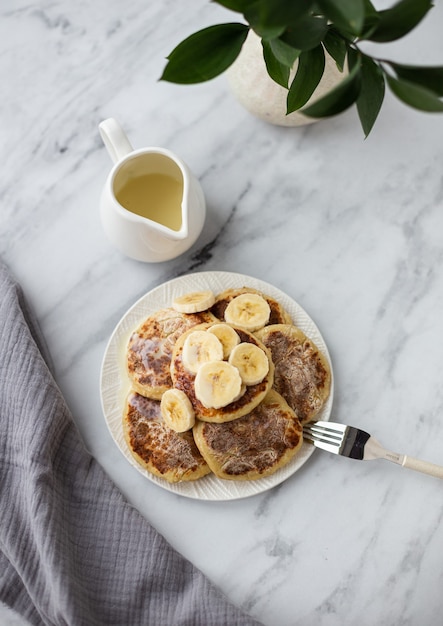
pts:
[159, 449]
[250, 395]
[278, 314]
[252, 446]
[150, 349]
[302, 373]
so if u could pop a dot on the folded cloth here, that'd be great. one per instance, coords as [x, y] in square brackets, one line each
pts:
[73, 550]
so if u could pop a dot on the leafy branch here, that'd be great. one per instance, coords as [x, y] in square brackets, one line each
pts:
[305, 30]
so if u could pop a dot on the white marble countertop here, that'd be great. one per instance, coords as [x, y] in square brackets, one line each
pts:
[352, 229]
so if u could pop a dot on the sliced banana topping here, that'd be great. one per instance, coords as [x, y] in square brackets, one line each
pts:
[217, 384]
[251, 361]
[194, 302]
[249, 311]
[201, 347]
[177, 410]
[227, 336]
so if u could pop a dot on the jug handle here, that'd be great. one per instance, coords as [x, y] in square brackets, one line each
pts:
[114, 138]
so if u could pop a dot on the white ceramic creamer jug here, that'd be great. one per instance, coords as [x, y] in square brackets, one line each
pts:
[152, 207]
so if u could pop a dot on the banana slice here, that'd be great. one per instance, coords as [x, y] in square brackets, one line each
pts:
[227, 336]
[194, 302]
[201, 347]
[217, 384]
[249, 311]
[177, 410]
[251, 361]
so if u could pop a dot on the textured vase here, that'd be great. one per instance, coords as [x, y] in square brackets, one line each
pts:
[263, 97]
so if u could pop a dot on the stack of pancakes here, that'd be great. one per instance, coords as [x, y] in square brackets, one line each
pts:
[249, 438]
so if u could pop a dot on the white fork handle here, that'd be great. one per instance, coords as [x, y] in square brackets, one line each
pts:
[423, 466]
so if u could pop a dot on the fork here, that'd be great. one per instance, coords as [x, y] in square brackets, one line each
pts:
[358, 444]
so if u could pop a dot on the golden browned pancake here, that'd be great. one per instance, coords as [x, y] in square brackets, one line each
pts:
[278, 314]
[302, 373]
[159, 449]
[150, 349]
[252, 446]
[183, 379]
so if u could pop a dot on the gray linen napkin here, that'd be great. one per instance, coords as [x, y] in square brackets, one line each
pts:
[73, 551]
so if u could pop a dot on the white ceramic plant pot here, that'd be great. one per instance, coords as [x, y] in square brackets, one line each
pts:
[263, 97]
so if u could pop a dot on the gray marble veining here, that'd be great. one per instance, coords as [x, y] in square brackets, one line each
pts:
[350, 228]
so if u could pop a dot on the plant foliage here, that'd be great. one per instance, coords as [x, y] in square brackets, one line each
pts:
[306, 30]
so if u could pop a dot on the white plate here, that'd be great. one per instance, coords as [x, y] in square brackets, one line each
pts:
[115, 384]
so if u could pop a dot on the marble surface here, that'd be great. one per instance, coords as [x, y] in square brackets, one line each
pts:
[352, 229]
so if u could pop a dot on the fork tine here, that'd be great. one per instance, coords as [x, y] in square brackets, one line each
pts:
[322, 431]
[315, 435]
[332, 427]
[326, 435]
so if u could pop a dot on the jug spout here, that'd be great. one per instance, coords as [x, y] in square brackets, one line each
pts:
[173, 195]
[165, 242]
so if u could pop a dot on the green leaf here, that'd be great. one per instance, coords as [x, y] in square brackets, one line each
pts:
[307, 33]
[336, 47]
[338, 99]
[284, 53]
[346, 14]
[265, 32]
[279, 59]
[399, 20]
[370, 9]
[205, 54]
[415, 96]
[311, 65]
[372, 93]
[279, 72]
[426, 76]
[277, 12]
[269, 18]
[372, 19]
